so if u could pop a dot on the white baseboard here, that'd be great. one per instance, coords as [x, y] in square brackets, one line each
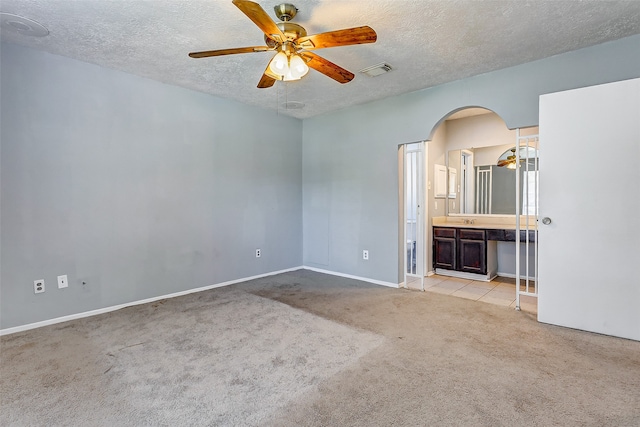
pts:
[465, 275]
[139, 302]
[349, 276]
[48, 322]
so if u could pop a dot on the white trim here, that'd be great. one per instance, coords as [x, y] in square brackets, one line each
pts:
[178, 294]
[349, 276]
[530, 294]
[465, 275]
[139, 302]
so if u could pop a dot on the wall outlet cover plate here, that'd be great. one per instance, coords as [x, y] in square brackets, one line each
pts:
[62, 281]
[38, 286]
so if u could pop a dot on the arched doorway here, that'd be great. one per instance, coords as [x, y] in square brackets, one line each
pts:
[473, 188]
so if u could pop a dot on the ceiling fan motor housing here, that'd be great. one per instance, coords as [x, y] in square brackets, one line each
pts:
[291, 30]
[285, 11]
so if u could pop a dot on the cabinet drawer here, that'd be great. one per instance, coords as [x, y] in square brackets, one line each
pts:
[510, 235]
[495, 235]
[444, 232]
[471, 234]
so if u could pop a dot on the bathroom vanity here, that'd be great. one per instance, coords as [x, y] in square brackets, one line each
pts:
[466, 247]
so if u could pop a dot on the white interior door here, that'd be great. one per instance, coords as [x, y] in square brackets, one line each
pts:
[589, 255]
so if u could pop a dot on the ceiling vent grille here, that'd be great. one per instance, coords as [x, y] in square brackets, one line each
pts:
[292, 105]
[376, 70]
[22, 25]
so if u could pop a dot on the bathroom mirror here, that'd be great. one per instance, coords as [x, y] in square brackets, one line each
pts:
[475, 141]
[477, 185]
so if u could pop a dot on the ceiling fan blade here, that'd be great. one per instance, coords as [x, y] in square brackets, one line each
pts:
[349, 36]
[327, 68]
[261, 19]
[502, 163]
[267, 79]
[220, 52]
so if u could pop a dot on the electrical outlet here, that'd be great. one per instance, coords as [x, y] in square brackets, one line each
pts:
[258, 253]
[62, 281]
[365, 254]
[38, 286]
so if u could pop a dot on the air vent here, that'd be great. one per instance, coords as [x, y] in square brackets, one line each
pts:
[293, 105]
[376, 70]
[22, 25]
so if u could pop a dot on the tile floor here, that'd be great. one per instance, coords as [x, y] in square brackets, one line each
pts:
[500, 291]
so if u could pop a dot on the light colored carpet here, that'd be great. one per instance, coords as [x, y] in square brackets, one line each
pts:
[307, 349]
[223, 357]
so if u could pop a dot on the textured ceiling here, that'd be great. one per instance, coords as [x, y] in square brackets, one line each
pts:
[427, 42]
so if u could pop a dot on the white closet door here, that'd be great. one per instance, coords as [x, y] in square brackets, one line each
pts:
[589, 255]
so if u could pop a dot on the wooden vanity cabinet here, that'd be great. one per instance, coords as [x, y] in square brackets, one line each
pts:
[460, 249]
[470, 252]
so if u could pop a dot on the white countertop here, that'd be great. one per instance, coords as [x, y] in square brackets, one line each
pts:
[498, 222]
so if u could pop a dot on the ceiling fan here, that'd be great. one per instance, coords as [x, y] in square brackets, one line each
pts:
[293, 45]
[509, 161]
[508, 158]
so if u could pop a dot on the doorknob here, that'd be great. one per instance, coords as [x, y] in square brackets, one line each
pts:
[546, 220]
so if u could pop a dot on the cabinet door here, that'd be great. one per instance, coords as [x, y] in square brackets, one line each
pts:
[445, 253]
[473, 256]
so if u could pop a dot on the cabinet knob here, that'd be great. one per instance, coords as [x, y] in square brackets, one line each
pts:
[546, 220]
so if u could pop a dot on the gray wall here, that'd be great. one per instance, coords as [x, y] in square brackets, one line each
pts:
[143, 189]
[350, 176]
[138, 188]
[344, 215]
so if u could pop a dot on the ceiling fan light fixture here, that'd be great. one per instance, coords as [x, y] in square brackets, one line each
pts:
[298, 67]
[288, 67]
[279, 64]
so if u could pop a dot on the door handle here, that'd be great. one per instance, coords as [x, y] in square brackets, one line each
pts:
[546, 220]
